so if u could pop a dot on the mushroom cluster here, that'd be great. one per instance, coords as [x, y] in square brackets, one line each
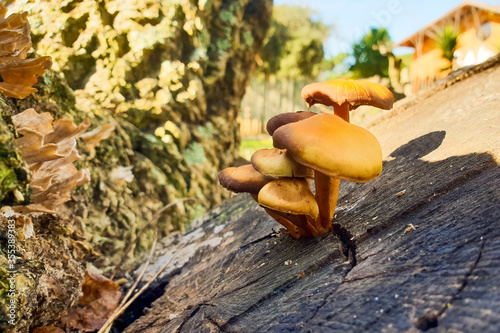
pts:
[310, 146]
[17, 73]
[49, 149]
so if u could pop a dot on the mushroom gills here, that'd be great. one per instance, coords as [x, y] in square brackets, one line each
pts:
[278, 217]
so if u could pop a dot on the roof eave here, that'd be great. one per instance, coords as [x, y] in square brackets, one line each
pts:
[408, 42]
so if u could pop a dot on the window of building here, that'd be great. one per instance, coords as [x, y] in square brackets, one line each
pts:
[484, 31]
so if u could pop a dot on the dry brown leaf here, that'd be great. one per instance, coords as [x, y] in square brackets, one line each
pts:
[100, 298]
[98, 134]
[48, 329]
[410, 228]
[400, 193]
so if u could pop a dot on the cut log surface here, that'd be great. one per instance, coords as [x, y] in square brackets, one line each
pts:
[418, 250]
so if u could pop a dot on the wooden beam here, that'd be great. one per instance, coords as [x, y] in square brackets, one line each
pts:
[475, 16]
[433, 32]
[419, 44]
[457, 21]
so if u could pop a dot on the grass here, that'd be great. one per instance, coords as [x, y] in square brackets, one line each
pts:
[250, 146]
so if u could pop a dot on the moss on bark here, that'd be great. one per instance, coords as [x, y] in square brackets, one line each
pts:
[170, 76]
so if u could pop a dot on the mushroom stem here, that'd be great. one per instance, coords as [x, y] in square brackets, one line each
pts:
[302, 222]
[342, 111]
[327, 192]
[327, 189]
[294, 231]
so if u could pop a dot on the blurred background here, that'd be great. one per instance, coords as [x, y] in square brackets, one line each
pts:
[404, 45]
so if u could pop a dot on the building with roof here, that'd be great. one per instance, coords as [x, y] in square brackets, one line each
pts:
[478, 27]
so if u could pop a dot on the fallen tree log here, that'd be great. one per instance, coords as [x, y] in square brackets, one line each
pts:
[417, 249]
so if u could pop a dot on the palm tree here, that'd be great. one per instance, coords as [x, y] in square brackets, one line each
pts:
[446, 40]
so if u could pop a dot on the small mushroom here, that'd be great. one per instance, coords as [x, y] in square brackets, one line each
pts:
[243, 179]
[347, 94]
[279, 163]
[246, 179]
[336, 150]
[285, 118]
[293, 199]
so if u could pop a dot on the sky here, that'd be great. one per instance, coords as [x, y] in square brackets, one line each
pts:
[349, 20]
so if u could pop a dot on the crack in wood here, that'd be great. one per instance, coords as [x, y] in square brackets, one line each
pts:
[322, 304]
[213, 322]
[466, 276]
[258, 240]
[368, 256]
[348, 246]
[195, 310]
[395, 271]
[325, 300]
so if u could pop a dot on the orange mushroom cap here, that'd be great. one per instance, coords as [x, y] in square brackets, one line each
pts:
[289, 195]
[243, 179]
[286, 118]
[332, 146]
[354, 92]
[279, 163]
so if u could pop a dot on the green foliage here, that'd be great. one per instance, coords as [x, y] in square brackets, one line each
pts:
[195, 154]
[13, 173]
[250, 146]
[256, 144]
[337, 66]
[273, 50]
[446, 41]
[406, 59]
[368, 61]
[294, 44]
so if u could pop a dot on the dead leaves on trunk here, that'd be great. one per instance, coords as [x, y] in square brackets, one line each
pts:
[100, 298]
[48, 329]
